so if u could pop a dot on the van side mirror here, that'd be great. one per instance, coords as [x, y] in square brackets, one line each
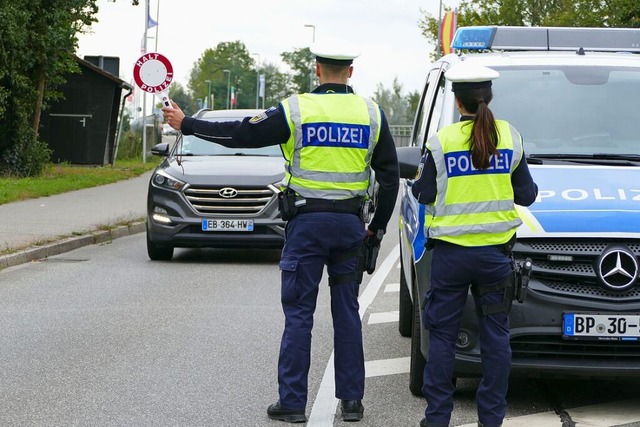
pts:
[408, 160]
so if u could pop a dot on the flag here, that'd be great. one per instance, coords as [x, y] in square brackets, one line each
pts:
[447, 31]
[151, 22]
[233, 97]
[261, 91]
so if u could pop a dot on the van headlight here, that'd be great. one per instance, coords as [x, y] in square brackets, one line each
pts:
[164, 180]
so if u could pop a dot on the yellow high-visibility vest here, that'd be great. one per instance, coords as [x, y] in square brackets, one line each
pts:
[332, 140]
[473, 207]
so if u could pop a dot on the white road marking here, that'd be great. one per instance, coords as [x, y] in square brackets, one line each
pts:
[378, 368]
[392, 287]
[623, 412]
[324, 407]
[385, 317]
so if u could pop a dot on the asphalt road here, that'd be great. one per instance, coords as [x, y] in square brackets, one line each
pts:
[102, 336]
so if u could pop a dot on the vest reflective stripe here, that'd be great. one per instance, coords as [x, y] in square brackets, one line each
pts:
[336, 164]
[480, 209]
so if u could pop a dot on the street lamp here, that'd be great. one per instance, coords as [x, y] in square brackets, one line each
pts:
[209, 95]
[257, 77]
[313, 40]
[228, 86]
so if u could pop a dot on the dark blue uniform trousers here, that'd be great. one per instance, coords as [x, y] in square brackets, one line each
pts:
[312, 239]
[453, 269]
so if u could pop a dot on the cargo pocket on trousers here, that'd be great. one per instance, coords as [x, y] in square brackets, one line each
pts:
[289, 271]
[427, 318]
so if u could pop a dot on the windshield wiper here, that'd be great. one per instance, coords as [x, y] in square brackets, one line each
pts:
[596, 158]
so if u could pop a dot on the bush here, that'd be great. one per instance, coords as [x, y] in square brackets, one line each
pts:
[130, 147]
[28, 157]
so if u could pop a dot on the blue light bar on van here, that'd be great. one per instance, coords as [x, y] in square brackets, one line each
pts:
[473, 38]
[548, 38]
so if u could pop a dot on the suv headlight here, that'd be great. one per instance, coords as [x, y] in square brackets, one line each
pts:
[164, 180]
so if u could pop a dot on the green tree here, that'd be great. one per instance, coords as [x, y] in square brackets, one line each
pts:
[552, 13]
[37, 42]
[231, 56]
[413, 99]
[302, 63]
[393, 103]
[179, 95]
[278, 85]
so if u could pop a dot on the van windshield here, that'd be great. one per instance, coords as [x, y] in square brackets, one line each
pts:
[571, 110]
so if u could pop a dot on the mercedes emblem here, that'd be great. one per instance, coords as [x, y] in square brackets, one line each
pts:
[617, 268]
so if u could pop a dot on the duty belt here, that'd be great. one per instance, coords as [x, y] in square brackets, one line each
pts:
[351, 206]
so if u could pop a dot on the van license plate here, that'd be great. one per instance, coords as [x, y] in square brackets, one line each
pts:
[227, 225]
[605, 327]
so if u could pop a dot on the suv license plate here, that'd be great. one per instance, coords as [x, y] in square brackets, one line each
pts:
[227, 225]
[605, 327]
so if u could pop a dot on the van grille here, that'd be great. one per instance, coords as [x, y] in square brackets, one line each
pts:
[576, 278]
[248, 201]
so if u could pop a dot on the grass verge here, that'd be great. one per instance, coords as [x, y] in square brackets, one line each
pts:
[60, 178]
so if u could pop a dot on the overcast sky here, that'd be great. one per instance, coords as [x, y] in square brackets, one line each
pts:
[385, 32]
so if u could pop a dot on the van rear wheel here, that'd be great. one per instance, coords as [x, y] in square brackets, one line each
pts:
[417, 360]
[405, 317]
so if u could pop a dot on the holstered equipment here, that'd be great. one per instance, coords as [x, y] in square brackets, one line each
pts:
[371, 248]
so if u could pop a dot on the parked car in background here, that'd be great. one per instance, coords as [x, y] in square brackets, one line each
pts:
[168, 130]
[206, 195]
[571, 92]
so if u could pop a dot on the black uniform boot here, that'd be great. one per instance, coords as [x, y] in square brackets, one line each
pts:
[277, 412]
[352, 410]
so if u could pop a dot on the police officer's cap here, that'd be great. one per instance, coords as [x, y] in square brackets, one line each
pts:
[337, 55]
[467, 75]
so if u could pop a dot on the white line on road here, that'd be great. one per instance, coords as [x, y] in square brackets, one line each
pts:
[623, 412]
[378, 368]
[392, 287]
[324, 407]
[385, 317]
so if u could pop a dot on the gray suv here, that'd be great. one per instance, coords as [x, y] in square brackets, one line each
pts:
[572, 93]
[206, 195]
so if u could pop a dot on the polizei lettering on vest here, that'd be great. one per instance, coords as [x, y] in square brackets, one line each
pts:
[335, 135]
[459, 163]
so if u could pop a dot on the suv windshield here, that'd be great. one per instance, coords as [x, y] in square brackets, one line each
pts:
[571, 109]
[194, 146]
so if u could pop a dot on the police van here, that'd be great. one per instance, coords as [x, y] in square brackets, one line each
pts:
[574, 95]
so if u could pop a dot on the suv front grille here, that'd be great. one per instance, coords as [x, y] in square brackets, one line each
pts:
[248, 201]
[576, 278]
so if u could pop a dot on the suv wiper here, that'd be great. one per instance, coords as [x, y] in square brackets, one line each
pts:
[596, 158]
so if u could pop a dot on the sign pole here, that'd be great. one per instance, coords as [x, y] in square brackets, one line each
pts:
[144, 93]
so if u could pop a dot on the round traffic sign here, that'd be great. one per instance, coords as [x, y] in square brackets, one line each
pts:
[153, 72]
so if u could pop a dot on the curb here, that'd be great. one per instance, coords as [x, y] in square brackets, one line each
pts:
[69, 244]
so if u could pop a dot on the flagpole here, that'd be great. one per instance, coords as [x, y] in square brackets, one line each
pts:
[157, 20]
[144, 93]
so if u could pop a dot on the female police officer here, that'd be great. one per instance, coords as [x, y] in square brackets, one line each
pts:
[329, 138]
[471, 177]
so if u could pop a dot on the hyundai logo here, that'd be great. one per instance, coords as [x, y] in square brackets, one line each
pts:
[228, 192]
[617, 268]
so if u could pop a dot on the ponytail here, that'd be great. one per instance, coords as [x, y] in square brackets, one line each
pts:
[483, 141]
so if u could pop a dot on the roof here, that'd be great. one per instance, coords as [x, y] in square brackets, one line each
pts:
[103, 73]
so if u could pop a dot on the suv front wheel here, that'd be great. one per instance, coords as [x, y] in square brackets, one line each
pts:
[158, 253]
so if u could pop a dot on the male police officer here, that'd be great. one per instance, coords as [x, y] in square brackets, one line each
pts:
[330, 139]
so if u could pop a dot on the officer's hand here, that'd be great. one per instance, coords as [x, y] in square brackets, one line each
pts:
[173, 115]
